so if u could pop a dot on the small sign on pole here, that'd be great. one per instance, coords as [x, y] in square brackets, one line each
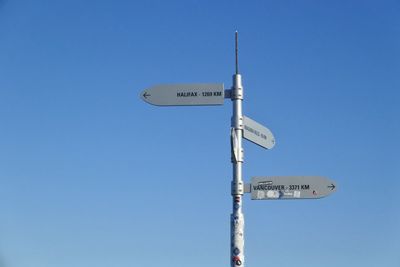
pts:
[257, 133]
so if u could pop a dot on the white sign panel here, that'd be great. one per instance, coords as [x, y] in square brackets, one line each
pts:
[196, 94]
[257, 133]
[290, 187]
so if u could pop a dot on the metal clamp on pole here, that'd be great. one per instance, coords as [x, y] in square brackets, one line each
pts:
[237, 89]
[237, 124]
[237, 188]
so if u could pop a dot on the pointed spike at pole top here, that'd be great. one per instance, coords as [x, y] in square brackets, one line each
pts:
[236, 52]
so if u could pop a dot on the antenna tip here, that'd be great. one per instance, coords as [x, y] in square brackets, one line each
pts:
[236, 52]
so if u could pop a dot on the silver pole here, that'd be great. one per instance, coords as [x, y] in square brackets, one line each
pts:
[237, 189]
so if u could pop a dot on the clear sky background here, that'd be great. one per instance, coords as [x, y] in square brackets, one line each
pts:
[90, 175]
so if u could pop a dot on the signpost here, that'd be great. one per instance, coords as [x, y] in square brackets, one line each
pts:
[261, 188]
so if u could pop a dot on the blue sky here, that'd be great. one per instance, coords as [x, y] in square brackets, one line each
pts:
[92, 176]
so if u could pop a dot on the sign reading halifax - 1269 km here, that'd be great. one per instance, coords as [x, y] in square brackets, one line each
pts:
[196, 94]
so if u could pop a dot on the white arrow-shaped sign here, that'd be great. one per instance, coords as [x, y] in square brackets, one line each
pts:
[257, 133]
[290, 187]
[195, 94]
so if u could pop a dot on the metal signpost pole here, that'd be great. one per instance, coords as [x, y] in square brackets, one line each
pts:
[261, 187]
[237, 190]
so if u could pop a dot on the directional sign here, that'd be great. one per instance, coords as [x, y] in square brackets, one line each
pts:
[257, 133]
[290, 187]
[196, 94]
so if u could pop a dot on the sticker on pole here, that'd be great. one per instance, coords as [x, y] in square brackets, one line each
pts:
[257, 133]
[290, 187]
[196, 94]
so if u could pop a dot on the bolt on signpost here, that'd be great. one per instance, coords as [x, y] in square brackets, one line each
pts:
[260, 187]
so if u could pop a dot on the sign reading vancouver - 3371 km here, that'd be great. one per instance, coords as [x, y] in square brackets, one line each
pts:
[194, 94]
[290, 187]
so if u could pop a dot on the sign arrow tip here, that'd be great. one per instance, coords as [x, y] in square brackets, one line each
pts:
[145, 95]
[332, 186]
